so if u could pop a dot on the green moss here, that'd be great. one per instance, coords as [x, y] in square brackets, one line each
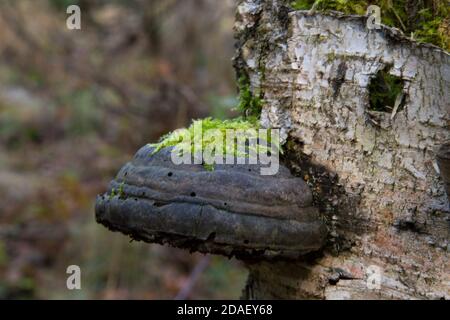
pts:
[302, 4]
[346, 6]
[331, 56]
[250, 104]
[434, 29]
[112, 194]
[117, 192]
[186, 140]
[120, 191]
[427, 22]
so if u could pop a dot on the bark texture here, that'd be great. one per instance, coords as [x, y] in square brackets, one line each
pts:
[374, 174]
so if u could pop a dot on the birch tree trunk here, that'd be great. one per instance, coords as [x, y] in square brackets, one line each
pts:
[373, 173]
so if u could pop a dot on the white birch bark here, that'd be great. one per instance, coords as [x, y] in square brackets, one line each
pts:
[374, 174]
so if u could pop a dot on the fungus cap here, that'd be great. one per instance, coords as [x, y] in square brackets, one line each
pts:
[232, 210]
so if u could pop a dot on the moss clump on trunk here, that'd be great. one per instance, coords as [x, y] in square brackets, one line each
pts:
[426, 21]
[189, 140]
[250, 104]
[187, 135]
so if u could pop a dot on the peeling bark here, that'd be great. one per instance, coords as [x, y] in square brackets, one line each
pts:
[374, 174]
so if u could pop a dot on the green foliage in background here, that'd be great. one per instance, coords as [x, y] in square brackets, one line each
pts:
[220, 275]
[435, 29]
[429, 24]
[222, 106]
[85, 114]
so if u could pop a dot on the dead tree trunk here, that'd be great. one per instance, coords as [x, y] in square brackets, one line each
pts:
[373, 170]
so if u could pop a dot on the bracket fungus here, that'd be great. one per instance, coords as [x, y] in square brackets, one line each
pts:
[232, 210]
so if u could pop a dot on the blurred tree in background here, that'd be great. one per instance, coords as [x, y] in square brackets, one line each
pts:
[74, 106]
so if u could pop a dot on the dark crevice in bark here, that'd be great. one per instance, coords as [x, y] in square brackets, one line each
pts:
[339, 274]
[328, 195]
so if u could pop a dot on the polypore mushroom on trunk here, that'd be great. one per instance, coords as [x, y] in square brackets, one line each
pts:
[231, 210]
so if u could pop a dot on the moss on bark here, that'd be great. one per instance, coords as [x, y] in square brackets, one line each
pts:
[426, 21]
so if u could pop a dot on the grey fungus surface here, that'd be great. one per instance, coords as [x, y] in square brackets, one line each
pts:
[232, 210]
[443, 159]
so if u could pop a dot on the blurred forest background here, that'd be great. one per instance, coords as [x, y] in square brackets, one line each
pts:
[74, 106]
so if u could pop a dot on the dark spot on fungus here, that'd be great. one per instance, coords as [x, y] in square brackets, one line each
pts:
[158, 204]
[193, 194]
[170, 174]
